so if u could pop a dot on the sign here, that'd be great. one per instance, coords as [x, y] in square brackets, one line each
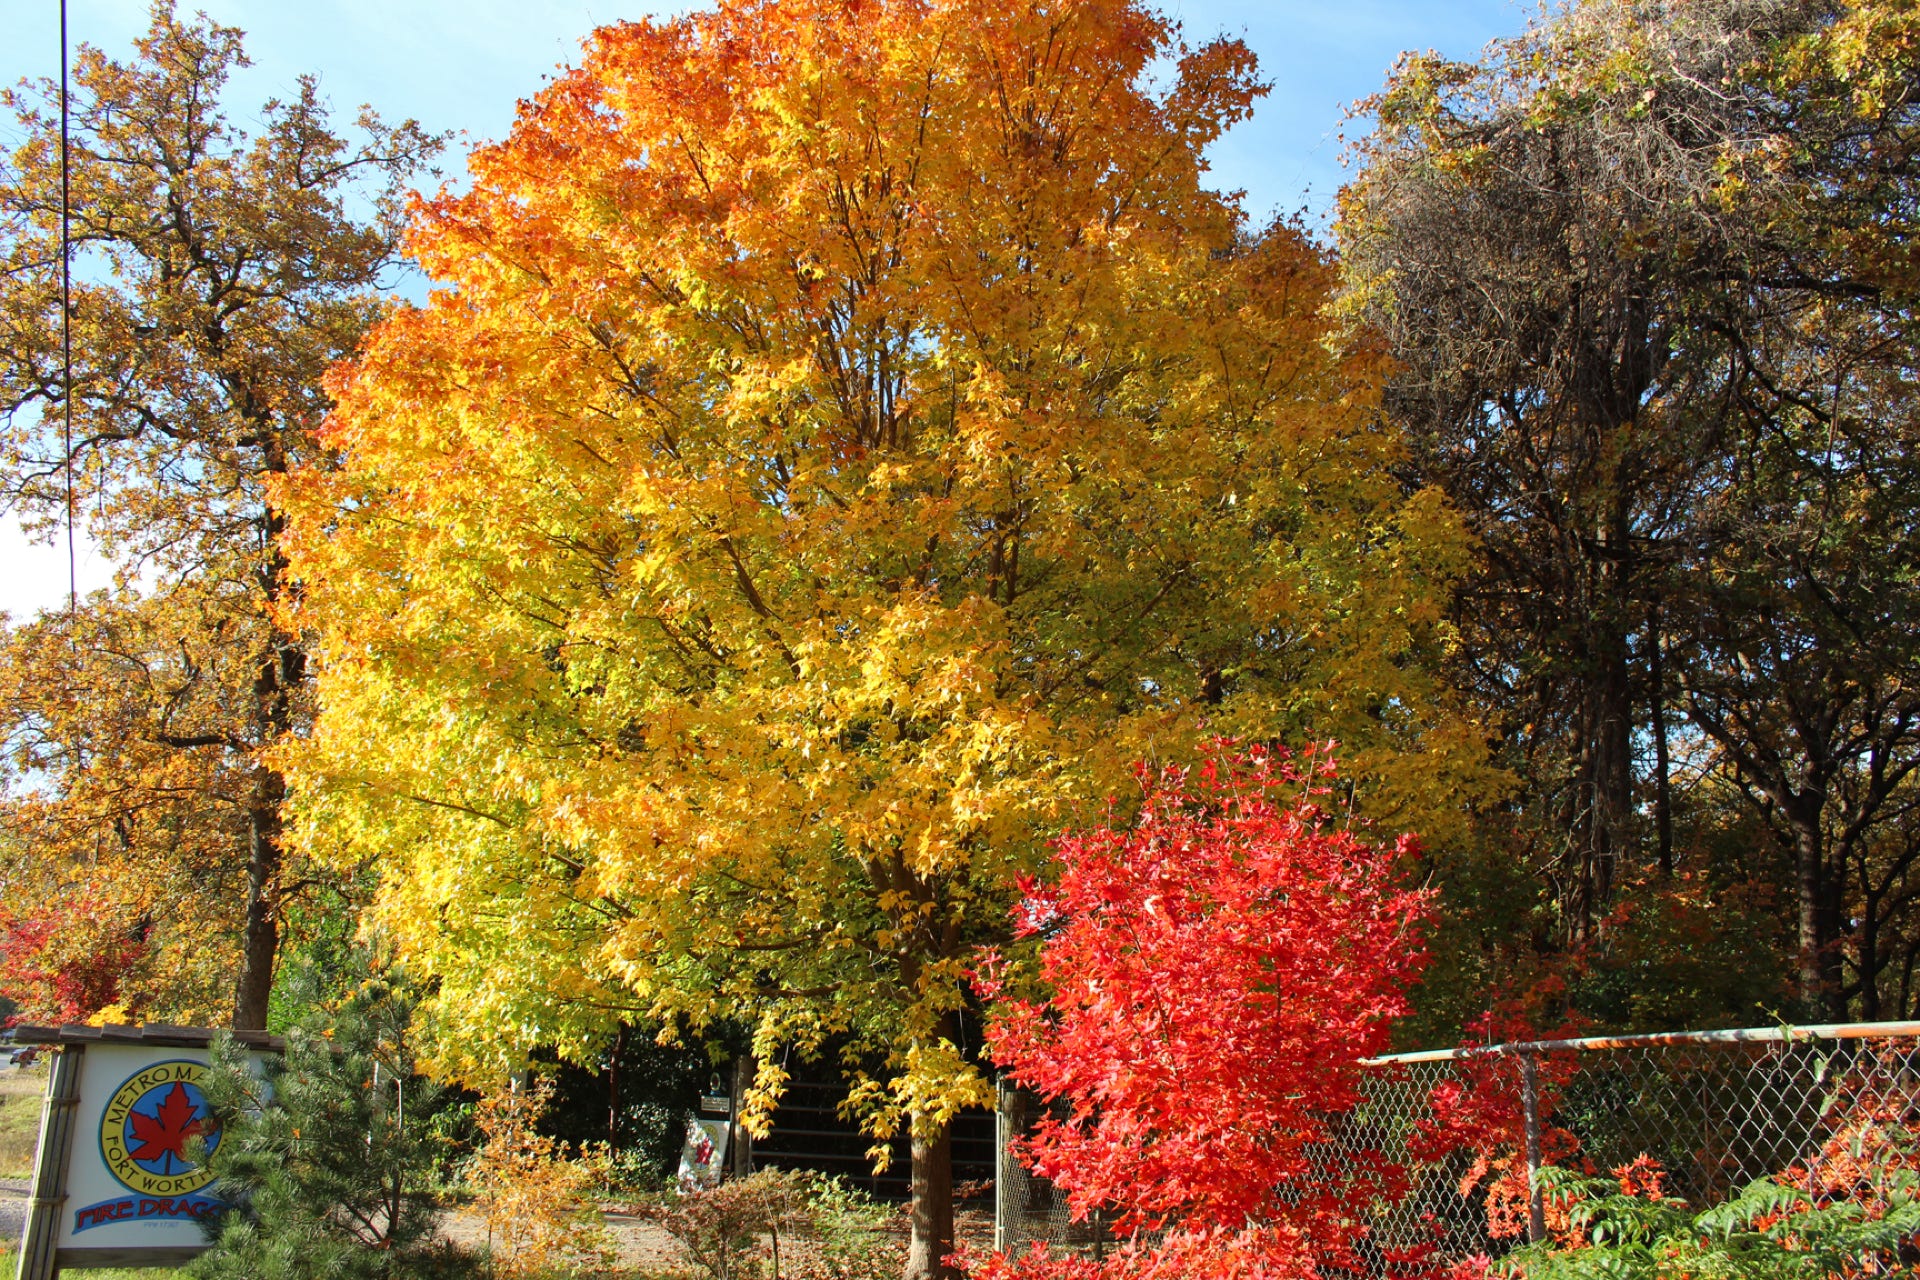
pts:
[121, 1178]
[703, 1157]
[144, 1143]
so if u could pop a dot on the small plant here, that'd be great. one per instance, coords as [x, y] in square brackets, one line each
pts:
[849, 1236]
[538, 1203]
[781, 1225]
[720, 1228]
[624, 1173]
[1627, 1228]
[1213, 969]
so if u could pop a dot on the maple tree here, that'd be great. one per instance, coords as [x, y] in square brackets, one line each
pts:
[843, 438]
[216, 276]
[67, 962]
[1215, 970]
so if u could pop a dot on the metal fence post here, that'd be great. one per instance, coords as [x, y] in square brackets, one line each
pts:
[1530, 1102]
[1005, 1129]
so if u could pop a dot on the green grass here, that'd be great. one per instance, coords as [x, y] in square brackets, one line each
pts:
[9, 1264]
[20, 1096]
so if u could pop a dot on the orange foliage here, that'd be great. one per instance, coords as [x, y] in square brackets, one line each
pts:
[1872, 1118]
[1482, 1110]
[538, 1203]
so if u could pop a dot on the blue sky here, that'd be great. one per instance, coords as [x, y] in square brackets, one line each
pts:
[462, 64]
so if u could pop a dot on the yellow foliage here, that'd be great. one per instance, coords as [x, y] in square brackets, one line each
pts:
[844, 440]
[538, 1204]
[110, 1014]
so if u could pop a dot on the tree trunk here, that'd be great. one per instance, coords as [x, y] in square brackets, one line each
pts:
[1603, 816]
[1834, 928]
[739, 1141]
[1870, 961]
[1819, 967]
[1603, 831]
[282, 670]
[932, 1208]
[613, 1086]
[261, 941]
[1662, 765]
[1613, 773]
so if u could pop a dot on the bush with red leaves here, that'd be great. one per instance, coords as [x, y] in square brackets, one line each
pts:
[65, 967]
[1218, 968]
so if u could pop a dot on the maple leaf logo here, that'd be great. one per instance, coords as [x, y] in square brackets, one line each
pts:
[162, 1136]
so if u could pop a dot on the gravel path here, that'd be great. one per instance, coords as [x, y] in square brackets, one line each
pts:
[643, 1246]
[13, 1208]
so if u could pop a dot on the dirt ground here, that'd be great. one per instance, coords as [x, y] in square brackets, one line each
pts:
[644, 1247]
[645, 1250]
[648, 1250]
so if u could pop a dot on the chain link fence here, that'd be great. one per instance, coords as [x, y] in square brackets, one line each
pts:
[1715, 1109]
[1027, 1208]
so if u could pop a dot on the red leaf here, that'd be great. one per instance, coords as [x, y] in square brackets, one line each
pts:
[166, 1132]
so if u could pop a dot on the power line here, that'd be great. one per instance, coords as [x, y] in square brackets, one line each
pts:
[66, 323]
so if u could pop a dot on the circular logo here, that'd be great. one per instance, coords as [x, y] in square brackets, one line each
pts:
[150, 1122]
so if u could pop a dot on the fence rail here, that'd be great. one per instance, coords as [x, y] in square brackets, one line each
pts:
[1469, 1126]
[1743, 1035]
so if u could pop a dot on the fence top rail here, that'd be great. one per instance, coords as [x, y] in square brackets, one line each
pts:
[1818, 1031]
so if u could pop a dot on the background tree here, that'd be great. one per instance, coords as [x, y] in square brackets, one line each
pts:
[844, 438]
[218, 275]
[1638, 267]
[637, 1094]
[1799, 663]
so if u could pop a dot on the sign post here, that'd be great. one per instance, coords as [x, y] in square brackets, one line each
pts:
[113, 1183]
[42, 1226]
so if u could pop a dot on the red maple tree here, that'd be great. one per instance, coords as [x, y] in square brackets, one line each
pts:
[1218, 968]
[67, 964]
